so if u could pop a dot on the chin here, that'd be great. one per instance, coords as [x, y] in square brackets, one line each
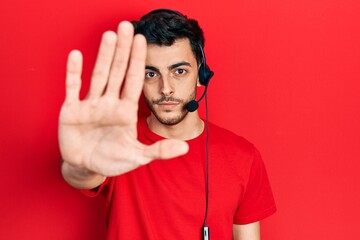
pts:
[169, 118]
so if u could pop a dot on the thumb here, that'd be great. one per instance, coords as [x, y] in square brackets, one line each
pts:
[165, 149]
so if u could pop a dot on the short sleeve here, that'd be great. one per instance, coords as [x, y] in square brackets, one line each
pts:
[96, 191]
[257, 202]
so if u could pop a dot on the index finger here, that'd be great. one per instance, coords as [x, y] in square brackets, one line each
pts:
[136, 71]
[73, 76]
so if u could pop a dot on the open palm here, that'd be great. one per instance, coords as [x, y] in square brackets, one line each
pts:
[99, 133]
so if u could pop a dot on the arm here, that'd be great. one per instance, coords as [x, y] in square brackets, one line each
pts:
[246, 232]
[98, 135]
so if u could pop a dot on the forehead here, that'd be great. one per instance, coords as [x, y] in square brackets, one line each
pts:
[179, 51]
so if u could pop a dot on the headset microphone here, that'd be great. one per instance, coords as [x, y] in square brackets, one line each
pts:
[193, 105]
[205, 74]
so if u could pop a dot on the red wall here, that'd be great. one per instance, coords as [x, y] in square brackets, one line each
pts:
[287, 78]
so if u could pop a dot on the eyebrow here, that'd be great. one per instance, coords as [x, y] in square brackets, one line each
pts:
[183, 63]
[173, 66]
[152, 68]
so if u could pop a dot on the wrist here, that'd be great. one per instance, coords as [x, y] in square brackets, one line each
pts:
[81, 177]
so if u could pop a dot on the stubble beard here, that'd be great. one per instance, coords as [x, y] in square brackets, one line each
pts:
[170, 120]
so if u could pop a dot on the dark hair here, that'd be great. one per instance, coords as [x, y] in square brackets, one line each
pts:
[164, 26]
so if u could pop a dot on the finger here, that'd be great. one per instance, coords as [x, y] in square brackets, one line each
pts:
[102, 66]
[120, 63]
[73, 76]
[166, 149]
[136, 71]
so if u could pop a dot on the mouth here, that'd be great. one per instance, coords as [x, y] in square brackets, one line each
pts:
[167, 105]
[167, 102]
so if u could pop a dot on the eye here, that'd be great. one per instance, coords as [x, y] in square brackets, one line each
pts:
[150, 75]
[180, 71]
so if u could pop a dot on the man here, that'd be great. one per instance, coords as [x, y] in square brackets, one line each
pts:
[107, 150]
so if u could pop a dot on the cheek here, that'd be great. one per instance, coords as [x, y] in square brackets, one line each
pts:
[147, 96]
[148, 90]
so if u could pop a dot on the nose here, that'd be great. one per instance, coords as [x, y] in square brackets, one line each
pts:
[167, 86]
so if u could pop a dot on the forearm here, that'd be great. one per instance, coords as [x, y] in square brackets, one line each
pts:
[81, 178]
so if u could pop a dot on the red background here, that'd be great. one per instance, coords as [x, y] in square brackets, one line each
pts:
[287, 78]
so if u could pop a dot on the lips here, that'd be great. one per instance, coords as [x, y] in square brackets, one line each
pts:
[167, 105]
[167, 100]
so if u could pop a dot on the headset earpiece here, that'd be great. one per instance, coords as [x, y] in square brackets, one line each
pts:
[205, 74]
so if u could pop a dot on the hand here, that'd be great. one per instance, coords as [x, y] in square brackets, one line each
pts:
[99, 133]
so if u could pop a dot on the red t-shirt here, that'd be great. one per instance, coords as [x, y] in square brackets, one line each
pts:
[165, 199]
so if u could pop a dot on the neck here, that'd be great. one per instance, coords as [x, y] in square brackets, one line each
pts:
[189, 128]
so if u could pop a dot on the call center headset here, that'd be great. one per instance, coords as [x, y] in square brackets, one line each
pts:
[205, 74]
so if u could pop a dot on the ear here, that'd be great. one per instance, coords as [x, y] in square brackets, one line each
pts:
[198, 84]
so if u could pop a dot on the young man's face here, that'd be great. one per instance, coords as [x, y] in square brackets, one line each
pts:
[170, 80]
